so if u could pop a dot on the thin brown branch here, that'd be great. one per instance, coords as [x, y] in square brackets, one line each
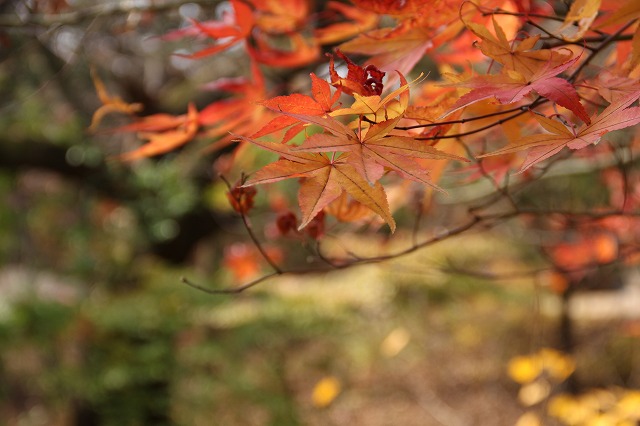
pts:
[234, 290]
[562, 42]
[460, 229]
[523, 15]
[464, 120]
[502, 191]
[582, 42]
[249, 228]
[473, 132]
[523, 109]
[349, 264]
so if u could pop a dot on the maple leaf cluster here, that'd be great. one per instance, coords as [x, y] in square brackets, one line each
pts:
[509, 86]
[350, 157]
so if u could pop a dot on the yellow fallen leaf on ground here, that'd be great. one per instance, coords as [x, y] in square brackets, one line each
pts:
[325, 391]
[528, 419]
[395, 342]
[524, 369]
[532, 393]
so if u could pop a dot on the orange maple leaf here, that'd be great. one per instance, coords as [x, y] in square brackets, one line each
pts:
[346, 209]
[280, 16]
[621, 15]
[270, 18]
[165, 141]
[301, 51]
[241, 111]
[615, 116]
[321, 91]
[372, 148]
[152, 123]
[294, 103]
[110, 103]
[371, 145]
[521, 57]
[418, 30]
[321, 102]
[392, 49]
[360, 21]
[391, 7]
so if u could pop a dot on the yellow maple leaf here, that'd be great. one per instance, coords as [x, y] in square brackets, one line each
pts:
[582, 13]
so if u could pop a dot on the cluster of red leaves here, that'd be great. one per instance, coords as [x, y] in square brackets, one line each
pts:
[520, 93]
[241, 198]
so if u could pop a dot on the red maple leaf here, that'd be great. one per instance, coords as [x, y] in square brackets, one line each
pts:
[320, 103]
[363, 81]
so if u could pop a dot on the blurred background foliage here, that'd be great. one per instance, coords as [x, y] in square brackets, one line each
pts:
[96, 327]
